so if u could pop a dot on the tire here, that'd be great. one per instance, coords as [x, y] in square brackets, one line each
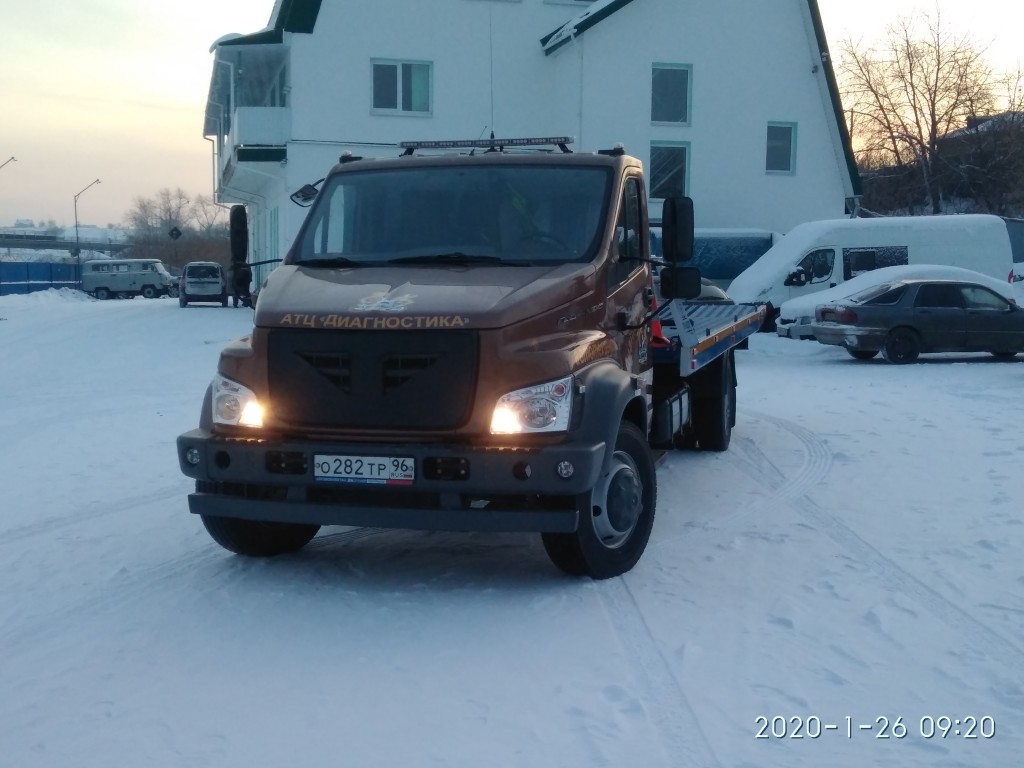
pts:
[902, 346]
[224, 300]
[1004, 355]
[255, 538]
[101, 294]
[182, 301]
[615, 517]
[148, 292]
[714, 417]
[863, 354]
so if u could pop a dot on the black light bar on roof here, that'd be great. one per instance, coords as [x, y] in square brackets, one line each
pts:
[488, 143]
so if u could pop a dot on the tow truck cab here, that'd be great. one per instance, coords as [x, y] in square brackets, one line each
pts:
[457, 341]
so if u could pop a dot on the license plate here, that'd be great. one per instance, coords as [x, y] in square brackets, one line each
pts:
[371, 470]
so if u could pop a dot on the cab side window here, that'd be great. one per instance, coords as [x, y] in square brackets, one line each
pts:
[628, 248]
[817, 265]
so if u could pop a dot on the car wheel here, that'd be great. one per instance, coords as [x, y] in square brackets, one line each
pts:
[1004, 355]
[616, 516]
[256, 538]
[863, 354]
[224, 300]
[102, 294]
[149, 292]
[182, 301]
[901, 346]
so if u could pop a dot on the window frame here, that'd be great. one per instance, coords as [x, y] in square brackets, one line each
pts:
[791, 171]
[688, 105]
[398, 64]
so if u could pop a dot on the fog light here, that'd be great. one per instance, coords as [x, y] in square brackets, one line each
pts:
[193, 457]
[565, 469]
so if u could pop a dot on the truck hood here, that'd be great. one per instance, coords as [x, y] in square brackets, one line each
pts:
[416, 297]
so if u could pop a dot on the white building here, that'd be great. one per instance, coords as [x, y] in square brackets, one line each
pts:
[733, 103]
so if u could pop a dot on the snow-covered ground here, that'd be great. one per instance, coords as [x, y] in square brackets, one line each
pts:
[855, 559]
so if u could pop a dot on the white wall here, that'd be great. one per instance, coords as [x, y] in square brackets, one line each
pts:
[752, 63]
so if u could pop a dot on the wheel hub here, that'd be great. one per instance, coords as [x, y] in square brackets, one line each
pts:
[618, 501]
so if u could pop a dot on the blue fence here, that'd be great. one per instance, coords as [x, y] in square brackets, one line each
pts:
[20, 277]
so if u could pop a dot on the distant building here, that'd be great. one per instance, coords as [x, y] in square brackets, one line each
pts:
[733, 102]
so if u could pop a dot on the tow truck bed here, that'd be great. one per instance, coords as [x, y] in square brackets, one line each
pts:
[700, 332]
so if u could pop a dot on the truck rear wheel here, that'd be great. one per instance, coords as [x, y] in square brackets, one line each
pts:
[615, 517]
[715, 415]
[256, 538]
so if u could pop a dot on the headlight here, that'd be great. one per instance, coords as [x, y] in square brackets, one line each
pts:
[540, 408]
[234, 404]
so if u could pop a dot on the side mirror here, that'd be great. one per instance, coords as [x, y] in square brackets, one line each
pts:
[677, 229]
[680, 283]
[797, 277]
[305, 195]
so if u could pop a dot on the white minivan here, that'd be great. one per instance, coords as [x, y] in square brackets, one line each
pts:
[818, 255]
[125, 278]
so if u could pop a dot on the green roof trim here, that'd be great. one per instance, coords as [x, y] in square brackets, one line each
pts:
[837, 104]
[298, 16]
[578, 25]
[266, 37]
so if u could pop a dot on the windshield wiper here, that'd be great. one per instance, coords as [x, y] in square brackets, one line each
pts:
[329, 261]
[456, 257]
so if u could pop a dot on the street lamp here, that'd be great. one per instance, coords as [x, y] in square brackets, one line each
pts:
[12, 159]
[78, 250]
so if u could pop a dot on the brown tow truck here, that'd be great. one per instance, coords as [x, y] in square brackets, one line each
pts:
[469, 341]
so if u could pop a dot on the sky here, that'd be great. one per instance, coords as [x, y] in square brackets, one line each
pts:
[115, 90]
[853, 561]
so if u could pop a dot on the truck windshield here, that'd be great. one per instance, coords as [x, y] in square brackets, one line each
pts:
[524, 214]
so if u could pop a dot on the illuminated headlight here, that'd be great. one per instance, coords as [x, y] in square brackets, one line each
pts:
[235, 405]
[540, 408]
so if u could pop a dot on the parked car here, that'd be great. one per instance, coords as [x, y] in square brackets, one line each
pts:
[905, 317]
[202, 281]
[126, 278]
[797, 315]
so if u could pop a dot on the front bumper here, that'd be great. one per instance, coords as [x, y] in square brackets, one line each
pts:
[457, 487]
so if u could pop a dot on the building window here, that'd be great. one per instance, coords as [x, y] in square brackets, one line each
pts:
[780, 156]
[669, 166]
[401, 86]
[670, 93]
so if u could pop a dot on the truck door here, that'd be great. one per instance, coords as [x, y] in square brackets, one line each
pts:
[813, 273]
[627, 280]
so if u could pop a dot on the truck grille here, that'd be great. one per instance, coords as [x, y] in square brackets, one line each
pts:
[372, 379]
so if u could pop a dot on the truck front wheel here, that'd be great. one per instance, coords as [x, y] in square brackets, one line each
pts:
[615, 517]
[256, 538]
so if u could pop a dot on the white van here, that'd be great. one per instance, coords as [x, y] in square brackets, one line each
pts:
[125, 278]
[818, 255]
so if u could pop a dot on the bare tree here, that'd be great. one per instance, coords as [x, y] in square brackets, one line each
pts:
[202, 228]
[207, 216]
[905, 96]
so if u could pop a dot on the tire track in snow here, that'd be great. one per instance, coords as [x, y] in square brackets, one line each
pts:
[980, 634]
[51, 524]
[127, 588]
[661, 693]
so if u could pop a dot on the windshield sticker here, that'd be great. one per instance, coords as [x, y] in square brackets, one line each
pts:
[379, 302]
